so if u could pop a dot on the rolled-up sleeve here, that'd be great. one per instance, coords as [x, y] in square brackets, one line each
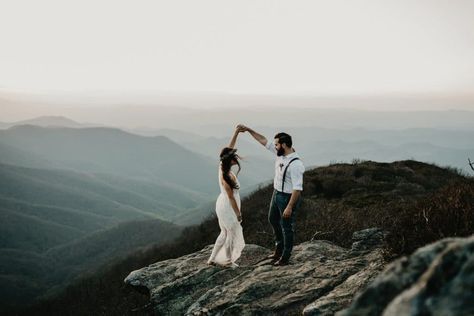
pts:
[297, 171]
[270, 146]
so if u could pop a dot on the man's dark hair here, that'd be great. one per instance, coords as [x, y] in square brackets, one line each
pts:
[284, 138]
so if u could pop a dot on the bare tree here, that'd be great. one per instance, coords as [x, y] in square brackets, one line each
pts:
[471, 163]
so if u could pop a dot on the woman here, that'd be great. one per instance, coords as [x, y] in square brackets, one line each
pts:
[230, 242]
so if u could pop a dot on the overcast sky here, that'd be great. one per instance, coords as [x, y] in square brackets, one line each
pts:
[260, 47]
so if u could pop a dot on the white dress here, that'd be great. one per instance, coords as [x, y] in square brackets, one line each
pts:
[230, 242]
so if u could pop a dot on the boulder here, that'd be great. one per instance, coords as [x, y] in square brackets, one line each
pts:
[437, 279]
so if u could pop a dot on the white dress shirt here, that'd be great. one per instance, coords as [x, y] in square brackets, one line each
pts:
[294, 174]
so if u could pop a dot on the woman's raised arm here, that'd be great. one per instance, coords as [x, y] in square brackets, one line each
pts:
[233, 140]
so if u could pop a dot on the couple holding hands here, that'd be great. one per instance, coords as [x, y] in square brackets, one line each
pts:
[285, 201]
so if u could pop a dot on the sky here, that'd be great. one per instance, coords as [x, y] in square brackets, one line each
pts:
[316, 48]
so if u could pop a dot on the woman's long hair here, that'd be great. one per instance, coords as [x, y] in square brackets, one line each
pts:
[227, 155]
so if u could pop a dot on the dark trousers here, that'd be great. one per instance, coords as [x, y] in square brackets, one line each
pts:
[282, 227]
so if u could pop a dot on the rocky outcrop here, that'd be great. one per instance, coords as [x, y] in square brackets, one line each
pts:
[321, 279]
[437, 279]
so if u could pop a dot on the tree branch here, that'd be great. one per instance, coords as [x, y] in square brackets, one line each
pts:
[471, 163]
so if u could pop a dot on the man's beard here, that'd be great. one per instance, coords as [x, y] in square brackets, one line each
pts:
[280, 152]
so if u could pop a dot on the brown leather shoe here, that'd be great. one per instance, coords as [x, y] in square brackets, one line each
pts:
[275, 255]
[282, 262]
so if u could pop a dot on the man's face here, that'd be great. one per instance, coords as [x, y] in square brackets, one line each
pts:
[279, 147]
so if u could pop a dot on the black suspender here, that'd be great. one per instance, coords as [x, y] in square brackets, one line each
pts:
[284, 173]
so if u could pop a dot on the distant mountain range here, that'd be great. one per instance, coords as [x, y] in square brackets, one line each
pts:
[47, 121]
[320, 146]
[344, 151]
[113, 151]
[194, 112]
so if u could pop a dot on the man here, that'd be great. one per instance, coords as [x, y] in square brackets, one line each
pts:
[286, 198]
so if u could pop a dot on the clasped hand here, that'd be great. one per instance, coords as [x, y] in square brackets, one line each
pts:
[241, 128]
